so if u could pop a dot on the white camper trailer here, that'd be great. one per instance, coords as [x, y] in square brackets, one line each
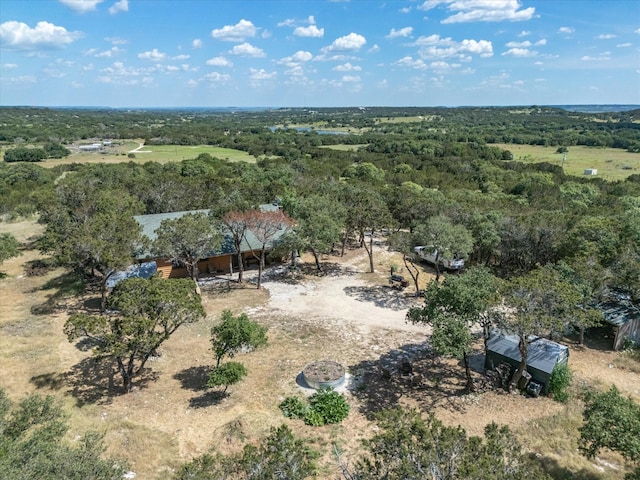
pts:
[429, 255]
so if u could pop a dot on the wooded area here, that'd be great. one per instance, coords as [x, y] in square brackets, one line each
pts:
[542, 249]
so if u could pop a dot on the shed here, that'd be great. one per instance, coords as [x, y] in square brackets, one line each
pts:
[624, 317]
[542, 357]
[591, 171]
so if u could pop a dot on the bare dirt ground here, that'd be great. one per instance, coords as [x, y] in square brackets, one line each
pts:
[345, 314]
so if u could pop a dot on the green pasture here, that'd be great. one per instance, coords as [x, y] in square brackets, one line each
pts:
[611, 163]
[119, 153]
[344, 147]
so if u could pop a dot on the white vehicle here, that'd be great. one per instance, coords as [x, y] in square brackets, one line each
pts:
[430, 256]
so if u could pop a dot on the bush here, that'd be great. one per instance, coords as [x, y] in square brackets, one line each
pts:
[293, 407]
[313, 418]
[559, 383]
[330, 405]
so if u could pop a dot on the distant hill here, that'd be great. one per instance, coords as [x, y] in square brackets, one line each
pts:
[597, 108]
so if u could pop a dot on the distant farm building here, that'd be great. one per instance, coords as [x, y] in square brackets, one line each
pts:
[591, 171]
[224, 260]
[94, 147]
[542, 357]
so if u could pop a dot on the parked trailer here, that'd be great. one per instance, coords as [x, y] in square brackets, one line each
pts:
[429, 256]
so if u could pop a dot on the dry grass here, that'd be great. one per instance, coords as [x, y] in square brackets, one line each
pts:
[170, 417]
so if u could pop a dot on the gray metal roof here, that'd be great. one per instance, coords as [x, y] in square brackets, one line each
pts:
[618, 314]
[150, 223]
[542, 355]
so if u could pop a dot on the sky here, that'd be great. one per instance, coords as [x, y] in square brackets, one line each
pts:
[318, 53]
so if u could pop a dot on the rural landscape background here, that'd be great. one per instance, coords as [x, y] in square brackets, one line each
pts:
[207, 208]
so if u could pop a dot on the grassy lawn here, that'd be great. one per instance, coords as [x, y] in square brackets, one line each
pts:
[612, 163]
[345, 148]
[118, 153]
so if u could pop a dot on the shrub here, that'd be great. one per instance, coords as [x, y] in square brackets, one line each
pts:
[559, 383]
[313, 418]
[331, 406]
[293, 407]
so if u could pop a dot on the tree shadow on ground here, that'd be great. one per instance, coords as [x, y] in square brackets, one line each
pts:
[380, 384]
[52, 381]
[558, 472]
[96, 381]
[381, 296]
[194, 378]
[212, 397]
[63, 286]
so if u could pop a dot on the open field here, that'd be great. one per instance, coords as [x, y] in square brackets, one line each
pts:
[346, 315]
[118, 153]
[612, 163]
[344, 147]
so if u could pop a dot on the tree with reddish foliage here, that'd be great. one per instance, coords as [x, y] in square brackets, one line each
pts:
[266, 227]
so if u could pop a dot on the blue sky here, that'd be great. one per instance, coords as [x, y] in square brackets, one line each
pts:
[306, 53]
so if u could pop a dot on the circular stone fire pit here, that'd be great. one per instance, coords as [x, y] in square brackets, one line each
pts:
[323, 374]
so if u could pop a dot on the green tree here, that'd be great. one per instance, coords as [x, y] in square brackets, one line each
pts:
[368, 216]
[444, 237]
[145, 314]
[407, 446]
[611, 422]
[226, 374]
[403, 242]
[9, 247]
[33, 444]
[91, 230]
[319, 224]
[280, 455]
[188, 239]
[453, 308]
[236, 333]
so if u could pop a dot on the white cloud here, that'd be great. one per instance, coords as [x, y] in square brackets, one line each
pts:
[235, 33]
[81, 6]
[216, 77]
[181, 57]
[541, 42]
[525, 44]
[153, 55]
[219, 62]
[261, 74]
[347, 67]
[434, 46]
[19, 36]
[566, 30]
[119, 6]
[53, 73]
[310, 31]
[22, 79]
[9, 66]
[403, 32]
[409, 62]
[196, 43]
[350, 78]
[119, 74]
[524, 33]
[603, 57]
[405, 10]
[606, 36]
[75, 84]
[624, 45]
[301, 56]
[289, 22]
[247, 50]
[481, 10]
[112, 52]
[116, 40]
[374, 49]
[637, 30]
[352, 42]
[520, 53]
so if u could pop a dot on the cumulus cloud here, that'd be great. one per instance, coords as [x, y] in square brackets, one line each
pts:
[9, 66]
[606, 36]
[301, 56]
[119, 6]
[310, 31]
[434, 46]
[153, 55]
[524, 33]
[403, 32]
[19, 36]
[247, 50]
[261, 74]
[566, 30]
[235, 33]
[347, 67]
[624, 45]
[219, 62]
[119, 74]
[409, 62]
[604, 56]
[216, 77]
[116, 40]
[196, 43]
[349, 43]
[481, 10]
[81, 6]
[112, 52]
